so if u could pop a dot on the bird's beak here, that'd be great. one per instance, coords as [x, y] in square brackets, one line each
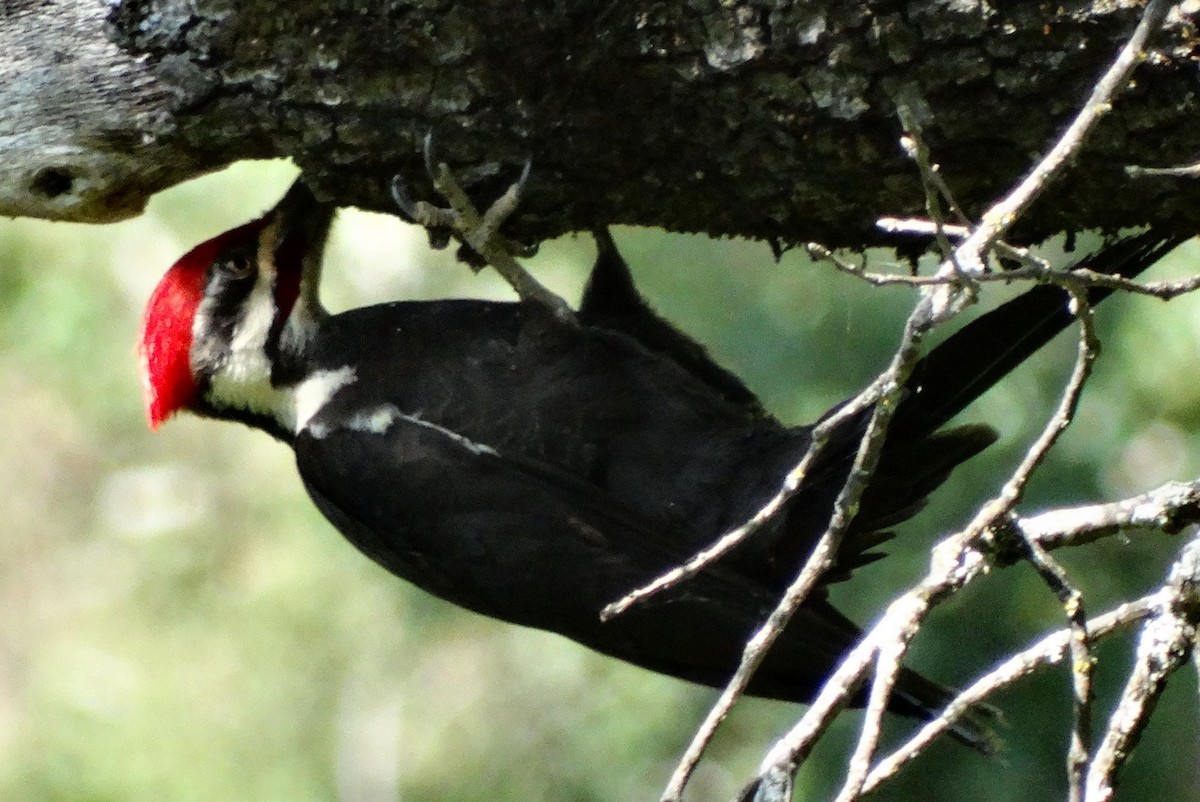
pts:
[300, 225]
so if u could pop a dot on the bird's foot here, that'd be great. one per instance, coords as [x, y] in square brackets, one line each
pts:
[479, 232]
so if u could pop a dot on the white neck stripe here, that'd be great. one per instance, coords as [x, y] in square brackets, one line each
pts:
[310, 395]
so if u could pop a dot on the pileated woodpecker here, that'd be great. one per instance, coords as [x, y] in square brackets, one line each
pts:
[534, 471]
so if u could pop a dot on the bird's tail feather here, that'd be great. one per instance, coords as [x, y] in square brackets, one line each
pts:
[920, 454]
[978, 355]
[922, 698]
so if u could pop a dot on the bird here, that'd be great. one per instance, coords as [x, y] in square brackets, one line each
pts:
[535, 470]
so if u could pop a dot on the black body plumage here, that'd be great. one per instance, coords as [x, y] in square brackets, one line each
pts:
[535, 472]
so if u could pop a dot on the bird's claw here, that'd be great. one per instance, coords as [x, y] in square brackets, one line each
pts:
[422, 213]
[478, 232]
[403, 200]
[427, 152]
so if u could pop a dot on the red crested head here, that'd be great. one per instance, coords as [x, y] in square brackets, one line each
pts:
[165, 343]
[187, 337]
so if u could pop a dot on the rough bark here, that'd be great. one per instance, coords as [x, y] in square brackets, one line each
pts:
[764, 118]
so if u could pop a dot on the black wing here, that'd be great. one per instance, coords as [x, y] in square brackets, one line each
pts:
[611, 300]
[512, 538]
[521, 541]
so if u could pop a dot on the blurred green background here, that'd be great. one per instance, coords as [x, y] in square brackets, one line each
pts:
[177, 622]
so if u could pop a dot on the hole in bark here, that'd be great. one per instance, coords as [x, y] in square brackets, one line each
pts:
[53, 182]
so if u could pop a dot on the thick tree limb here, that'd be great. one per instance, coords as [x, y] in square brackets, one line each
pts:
[761, 118]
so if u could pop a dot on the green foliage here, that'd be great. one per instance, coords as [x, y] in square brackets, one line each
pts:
[179, 623]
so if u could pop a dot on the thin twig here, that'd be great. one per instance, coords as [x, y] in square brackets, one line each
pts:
[1166, 643]
[1186, 171]
[935, 187]
[1169, 508]
[790, 751]
[842, 683]
[956, 561]
[1055, 576]
[820, 253]
[965, 560]
[1050, 649]
[1036, 270]
[1005, 212]
[1163, 290]
[920, 227]
[888, 661]
[959, 559]
[869, 395]
[891, 387]
[727, 542]
[1086, 353]
[999, 509]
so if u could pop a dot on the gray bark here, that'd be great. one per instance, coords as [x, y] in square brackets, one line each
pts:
[764, 118]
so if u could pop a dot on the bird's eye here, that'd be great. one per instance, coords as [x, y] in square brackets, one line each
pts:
[236, 266]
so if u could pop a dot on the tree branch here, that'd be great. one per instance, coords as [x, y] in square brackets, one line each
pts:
[767, 120]
[1167, 642]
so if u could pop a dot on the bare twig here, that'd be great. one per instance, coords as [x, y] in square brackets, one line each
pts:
[1186, 171]
[1166, 643]
[920, 227]
[727, 542]
[888, 662]
[936, 189]
[1050, 649]
[961, 557]
[1014, 489]
[789, 752]
[891, 386]
[957, 561]
[821, 253]
[1055, 575]
[1079, 277]
[1005, 212]
[1169, 508]
[1000, 509]
[1163, 290]
[1036, 269]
